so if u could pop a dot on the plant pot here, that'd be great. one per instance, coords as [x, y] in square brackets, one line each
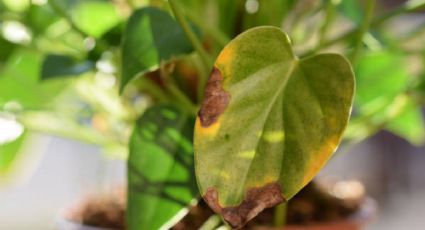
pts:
[64, 224]
[103, 211]
[357, 221]
[365, 211]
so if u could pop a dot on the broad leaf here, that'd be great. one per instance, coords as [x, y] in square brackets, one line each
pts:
[60, 65]
[409, 124]
[161, 177]
[268, 123]
[95, 17]
[40, 18]
[19, 82]
[151, 36]
[382, 82]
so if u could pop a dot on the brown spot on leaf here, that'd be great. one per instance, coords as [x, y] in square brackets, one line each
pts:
[215, 100]
[255, 201]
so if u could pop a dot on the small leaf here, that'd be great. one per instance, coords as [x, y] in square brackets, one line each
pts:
[151, 36]
[268, 123]
[60, 65]
[161, 177]
[95, 17]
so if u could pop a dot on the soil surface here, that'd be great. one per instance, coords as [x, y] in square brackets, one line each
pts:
[309, 206]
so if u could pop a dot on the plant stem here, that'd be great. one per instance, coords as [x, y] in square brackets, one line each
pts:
[329, 18]
[280, 215]
[182, 99]
[211, 223]
[190, 34]
[153, 89]
[205, 58]
[364, 27]
[406, 8]
[221, 38]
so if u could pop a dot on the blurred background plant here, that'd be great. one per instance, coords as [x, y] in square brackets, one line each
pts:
[87, 70]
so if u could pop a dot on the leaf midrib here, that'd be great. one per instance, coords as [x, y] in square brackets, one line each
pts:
[291, 70]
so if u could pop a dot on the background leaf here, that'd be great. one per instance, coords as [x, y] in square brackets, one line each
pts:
[151, 36]
[268, 122]
[161, 177]
[60, 65]
[9, 152]
[381, 102]
[19, 82]
[95, 17]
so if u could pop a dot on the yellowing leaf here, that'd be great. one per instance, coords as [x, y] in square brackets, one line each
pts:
[276, 119]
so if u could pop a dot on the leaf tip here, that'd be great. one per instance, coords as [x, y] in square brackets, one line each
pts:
[255, 201]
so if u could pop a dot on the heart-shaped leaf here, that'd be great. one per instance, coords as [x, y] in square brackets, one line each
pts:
[151, 36]
[268, 123]
[161, 178]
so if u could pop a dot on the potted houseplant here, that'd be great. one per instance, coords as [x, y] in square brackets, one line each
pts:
[230, 103]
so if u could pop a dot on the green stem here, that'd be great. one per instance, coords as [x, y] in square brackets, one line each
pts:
[49, 123]
[280, 215]
[205, 58]
[152, 89]
[211, 223]
[364, 27]
[221, 38]
[407, 8]
[182, 99]
[189, 33]
[329, 18]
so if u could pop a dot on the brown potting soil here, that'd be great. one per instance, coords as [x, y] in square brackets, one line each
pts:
[311, 205]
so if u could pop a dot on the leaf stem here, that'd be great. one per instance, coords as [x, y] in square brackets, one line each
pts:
[221, 38]
[182, 99]
[406, 8]
[280, 215]
[329, 18]
[205, 58]
[211, 223]
[153, 89]
[364, 27]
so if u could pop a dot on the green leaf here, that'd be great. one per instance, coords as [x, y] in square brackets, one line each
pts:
[381, 76]
[40, 17]
[151, 36]
[6, 50]
[161, 177]
[352, 10]
[9, 152]
[381, 100]
[409, 124]
[60, 65]
[268, 123]
[95, 17]
[19, 82]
